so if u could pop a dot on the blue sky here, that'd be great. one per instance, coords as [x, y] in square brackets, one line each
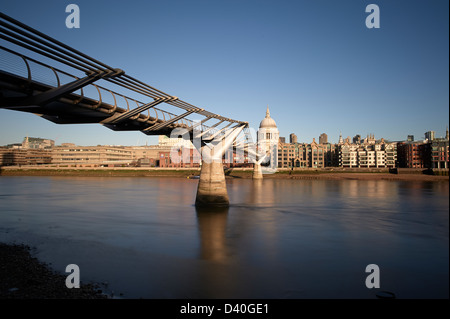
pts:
[315, 63]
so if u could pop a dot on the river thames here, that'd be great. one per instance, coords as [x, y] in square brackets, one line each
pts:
[280, 238]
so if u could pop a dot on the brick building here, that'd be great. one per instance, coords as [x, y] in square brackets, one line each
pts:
[414, 154]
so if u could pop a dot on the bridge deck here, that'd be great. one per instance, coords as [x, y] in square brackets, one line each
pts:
[60, 103]
[72, 108]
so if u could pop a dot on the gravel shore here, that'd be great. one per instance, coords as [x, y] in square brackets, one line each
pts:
[25, 277]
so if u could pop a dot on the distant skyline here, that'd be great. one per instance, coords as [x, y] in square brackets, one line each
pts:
[315, 63]
[154, 140]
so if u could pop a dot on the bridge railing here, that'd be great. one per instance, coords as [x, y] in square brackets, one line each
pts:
[25, 37]
[105, 98]
[38, 72]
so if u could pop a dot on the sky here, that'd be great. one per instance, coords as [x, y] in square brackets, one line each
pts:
[314, 63]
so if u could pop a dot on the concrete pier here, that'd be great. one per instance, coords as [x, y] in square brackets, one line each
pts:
[257, 172]
[212, 189]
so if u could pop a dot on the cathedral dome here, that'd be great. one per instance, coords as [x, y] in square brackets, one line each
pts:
[268, 122]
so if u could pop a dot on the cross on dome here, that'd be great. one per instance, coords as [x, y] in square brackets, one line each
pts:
[268, 121]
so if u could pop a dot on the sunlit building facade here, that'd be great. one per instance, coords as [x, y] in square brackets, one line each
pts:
[268, 138]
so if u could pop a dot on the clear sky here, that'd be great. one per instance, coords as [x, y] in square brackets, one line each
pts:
[314, 62]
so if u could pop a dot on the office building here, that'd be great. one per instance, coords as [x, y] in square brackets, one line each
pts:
[357, 139]
[430, 135]
[323, 138]
[20, 156]
[91, 156]
[292, 138]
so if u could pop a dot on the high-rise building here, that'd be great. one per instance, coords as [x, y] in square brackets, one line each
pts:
[323, 138]
[357, 139]
[430, 135]
[292, 138]
[410, 138]
[282, 140]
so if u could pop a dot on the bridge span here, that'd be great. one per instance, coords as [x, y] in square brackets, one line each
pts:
[43, 76]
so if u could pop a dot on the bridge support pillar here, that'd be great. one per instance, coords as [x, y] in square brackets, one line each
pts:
[212, 189]
[257, 172]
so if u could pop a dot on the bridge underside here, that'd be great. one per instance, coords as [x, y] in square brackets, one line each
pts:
[71, 108]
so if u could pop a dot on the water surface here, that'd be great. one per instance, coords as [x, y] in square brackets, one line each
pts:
[144, 238]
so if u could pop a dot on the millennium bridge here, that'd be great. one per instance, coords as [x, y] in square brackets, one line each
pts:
[65, 86]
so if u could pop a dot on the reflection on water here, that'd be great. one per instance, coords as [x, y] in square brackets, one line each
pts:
[278, 239]
[212, 225]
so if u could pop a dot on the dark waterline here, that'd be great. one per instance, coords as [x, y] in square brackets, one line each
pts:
[278, 239]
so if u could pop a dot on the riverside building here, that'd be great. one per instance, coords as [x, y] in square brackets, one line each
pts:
[91, 156]
[373, 155]
[303, 155]
[414, 154]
